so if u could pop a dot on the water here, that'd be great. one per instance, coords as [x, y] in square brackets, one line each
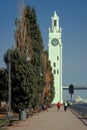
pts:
[82, 105]
[81, 93]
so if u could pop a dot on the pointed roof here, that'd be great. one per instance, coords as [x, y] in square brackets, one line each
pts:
[55, 14]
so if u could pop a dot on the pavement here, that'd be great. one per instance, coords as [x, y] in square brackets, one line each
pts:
[51, 120]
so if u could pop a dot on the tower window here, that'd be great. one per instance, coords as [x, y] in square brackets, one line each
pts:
[57, 57]
[54, 71]
[57, 71]
[55, 23]
[54, 64]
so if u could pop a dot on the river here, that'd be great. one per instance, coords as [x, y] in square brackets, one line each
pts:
[81, 93]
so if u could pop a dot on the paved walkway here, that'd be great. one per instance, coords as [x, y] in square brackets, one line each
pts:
[51, 120]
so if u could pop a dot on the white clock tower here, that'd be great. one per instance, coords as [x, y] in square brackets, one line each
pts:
[55, 56]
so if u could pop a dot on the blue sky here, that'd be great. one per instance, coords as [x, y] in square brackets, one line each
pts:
[73, 20]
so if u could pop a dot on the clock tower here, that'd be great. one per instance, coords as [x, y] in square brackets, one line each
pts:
[55, 56]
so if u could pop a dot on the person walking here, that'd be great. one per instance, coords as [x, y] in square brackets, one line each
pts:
[58, 105]
[65, 106]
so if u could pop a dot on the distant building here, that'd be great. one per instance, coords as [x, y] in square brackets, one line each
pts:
[78, 99]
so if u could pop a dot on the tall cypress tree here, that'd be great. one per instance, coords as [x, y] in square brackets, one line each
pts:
[29, 41]
[22, 33]
[38, 47]
[23, 87]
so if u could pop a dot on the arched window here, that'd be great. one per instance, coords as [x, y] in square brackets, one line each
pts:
[57, 57]
[57, 71]
[55, 23]
[54, 64]
[54, 71]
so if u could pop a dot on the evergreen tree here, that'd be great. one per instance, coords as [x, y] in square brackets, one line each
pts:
[49, 90]
[22, 33]
[28, 78]
[3, 85]
[23, 87]
[29, 41]
[37, 44]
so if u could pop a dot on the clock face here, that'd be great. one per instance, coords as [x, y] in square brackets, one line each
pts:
[54, 41]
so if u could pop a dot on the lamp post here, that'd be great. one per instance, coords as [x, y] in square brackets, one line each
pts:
[41, 93]
[9, 86]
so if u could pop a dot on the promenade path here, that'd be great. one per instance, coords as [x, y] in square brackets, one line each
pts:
[51, 120]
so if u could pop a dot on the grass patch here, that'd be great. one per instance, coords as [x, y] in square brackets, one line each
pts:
[3, 121]
[2, 129]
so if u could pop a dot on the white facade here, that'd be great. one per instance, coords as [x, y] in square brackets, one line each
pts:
[55, 56]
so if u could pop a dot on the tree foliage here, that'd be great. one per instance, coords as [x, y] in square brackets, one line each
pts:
[49, 90]
[22, 73]
[29, 41]
[3, 84]
[31, 81]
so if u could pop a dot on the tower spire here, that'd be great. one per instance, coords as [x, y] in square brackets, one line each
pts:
[55, 22]
[55, 14]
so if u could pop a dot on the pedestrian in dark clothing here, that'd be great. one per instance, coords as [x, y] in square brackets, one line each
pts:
[65, 106]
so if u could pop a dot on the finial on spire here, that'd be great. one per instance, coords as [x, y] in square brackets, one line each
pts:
[55, 13]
